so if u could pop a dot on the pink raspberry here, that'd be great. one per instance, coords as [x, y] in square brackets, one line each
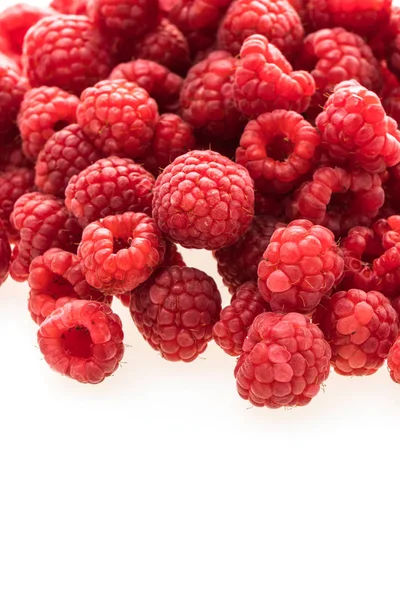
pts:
[203, 200]
[393, 361]
[13, 184]
[16, 20]
[12, 90]
[362, 16]
[285, 360]
[125, 18]
[5, 254]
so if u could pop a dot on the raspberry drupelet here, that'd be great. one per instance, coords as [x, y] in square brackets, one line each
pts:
[193, 15]
[83, 340]
[13, 184]
[119, 116]
[120, 252]
[175, 312]
[365, 17]
[285, 360]
[265, 80]
[12, 156]
[69, 7]
[12, 90]
[301, 265]
[278, 149]
[360, 328]
[360, 247]
[235, 319]
[203, 200]
[66, 51]
[393, 361]
[109, 186]
[5, 254]
[16, 20]
[125, 18]
[392, 38]
[44, 110]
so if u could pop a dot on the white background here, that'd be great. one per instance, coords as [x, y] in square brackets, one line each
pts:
[163, 483]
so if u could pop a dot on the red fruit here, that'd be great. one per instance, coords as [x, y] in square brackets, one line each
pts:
[13, 184]
[17, 19]
[12, 90]
[394, 361]
[5, 254]
[69, 7]
[362, 16]
[124, 18]
[11, 155]
[360, 248]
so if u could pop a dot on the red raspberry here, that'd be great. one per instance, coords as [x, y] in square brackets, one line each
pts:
[238, 262]
[275, 19]
[12, 90]
[124, 18]
[391, 104]
[362, 16]
[175, 312]
[265, 80]
[43, 222]
[13, 184]
[67, 52]
[301, 265]
[194, 15]
[69, 7]
[353, 124]
[44, 110]
[203, 200]
[360, 328]
[83, 340]
[393, 361]
[120, 252]
[391, 36]
[158, 81]
[387, 270]
[235, 319]
[65, 154]
[284, 362]
[278, 149]
[12, 156]
[110, 186]
[360, 248]
[5, 254]
[119, 116]
[17, 19]
[207, 97]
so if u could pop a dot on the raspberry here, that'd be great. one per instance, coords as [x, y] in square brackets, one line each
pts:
[12, 156]
[360, 328]
[277, 20]
[392, 38]
[203, 200]
[67, 153]
[194, 15]
[5, 254]
[175, 312]
[119, 116]
[393, 361]
[234, 322]
[353, 124]
[12, 90]
[17, 19]
[110, 186]
[300, 266]
[361, 246]
[278, 149]
[238, 262]
[387, 270]
[207, 97]
[43, 222]
[158, 81]
[362, 16]
[265, 80]
[69, 7]
[67, 52]
[391, 104]
[44, 110]
[284, 362]
[125, 18]
[13, 184]
[120, 252]
[83, 340]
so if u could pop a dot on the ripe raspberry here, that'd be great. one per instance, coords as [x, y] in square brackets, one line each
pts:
[5, 254]
[175, 312]
[207, 97]
[387, 270]
[360, 328]
[278, 149]
[83, 340]
[67, 153]
[362, 16]
[300, 266]
[393, 361]
[265, 80]
[13, 184]
[360, 248]
[203, 200]
[12, 156]
[44, 110]
[235, 319]
[392, 41]
[238, 262]
[120, 252]
[391, 104]
[353, 124]
[194, 15]
[158, 81]
[277, 20]
[12, 90]
[125, 18]
[67, 52]
[17, 19]
[110, 186]
[119, 116]
[69, 7]
[284, 362]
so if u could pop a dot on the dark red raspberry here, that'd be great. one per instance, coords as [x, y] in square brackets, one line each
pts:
[12, 90]
[207, 97]
[360, 328]
[124, 18]
[393, 361]
[83, 340]
[301, 265]
[387, 270]
[68, 152]
[119, 116]
[235, 319]
[69, 7]
[12, 156]
[120, 252]
[238, 262]
[175, 312]
[276, 19]
[265, 80]
[391, 104]
[109, 186]
[194, 15]
[354, 126]
[284, 362]
[13, 184]
[278, 149]
[360, 248]
[17, 19]
[160, 83]
[5, 254]
[391, 45]
[44, 110]
[203, 200]
[66, 51]
[365, 17]
[269, 204]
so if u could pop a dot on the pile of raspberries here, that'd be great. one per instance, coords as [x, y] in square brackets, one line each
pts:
[264, 131]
